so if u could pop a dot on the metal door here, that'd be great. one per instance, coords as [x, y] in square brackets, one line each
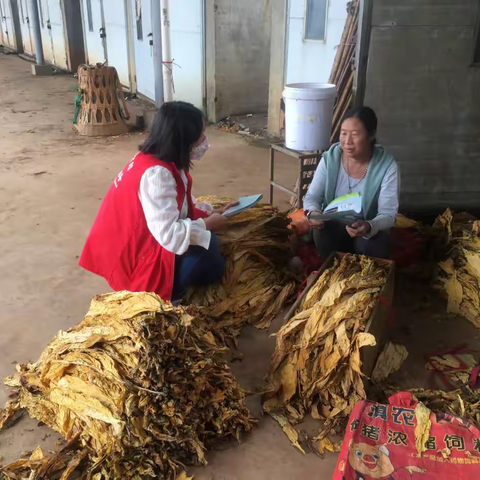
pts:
[6, 25]
[116, 38]
[187, 31]
[27, 39]
[143, 46]
[94, 31]
[46, 38]
[57, 36]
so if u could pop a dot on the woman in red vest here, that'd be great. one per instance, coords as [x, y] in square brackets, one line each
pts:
[150, 234]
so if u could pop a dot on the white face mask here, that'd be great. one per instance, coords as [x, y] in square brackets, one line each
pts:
[199, 151]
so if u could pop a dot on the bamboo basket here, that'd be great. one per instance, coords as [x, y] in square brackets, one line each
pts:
[100, 113]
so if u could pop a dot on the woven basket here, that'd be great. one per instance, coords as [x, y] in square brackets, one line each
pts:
[100, 112]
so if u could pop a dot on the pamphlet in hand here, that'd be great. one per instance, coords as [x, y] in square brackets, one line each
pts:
[244, 203]
[348, 207]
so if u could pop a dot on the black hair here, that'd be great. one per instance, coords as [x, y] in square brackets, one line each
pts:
[367, 116]
[177, 125]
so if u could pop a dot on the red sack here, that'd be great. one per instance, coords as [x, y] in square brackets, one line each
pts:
[380, 444]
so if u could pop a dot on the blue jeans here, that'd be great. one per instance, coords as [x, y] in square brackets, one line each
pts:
[198, 267]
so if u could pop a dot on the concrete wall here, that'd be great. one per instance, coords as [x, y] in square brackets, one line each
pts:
[74, 33]
[242, 56]
[312, 60]
[421, 82]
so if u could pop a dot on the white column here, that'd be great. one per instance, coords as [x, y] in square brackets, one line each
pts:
[166, 53]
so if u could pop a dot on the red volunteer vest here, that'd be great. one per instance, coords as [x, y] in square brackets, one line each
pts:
[120, 247]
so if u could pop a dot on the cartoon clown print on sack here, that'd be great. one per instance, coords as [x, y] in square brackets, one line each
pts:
[372, 462]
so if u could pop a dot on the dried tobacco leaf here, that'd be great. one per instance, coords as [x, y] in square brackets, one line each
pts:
[325, 444]
[290, 432]
[460, 271]
[140, 384]
[316, 364]
[422, 430]
[464, 404]
[405, 222]
[389, 361]
[10, 414]
[256, 285]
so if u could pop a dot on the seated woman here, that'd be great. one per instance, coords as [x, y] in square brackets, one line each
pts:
[356, 164]
[150, 234]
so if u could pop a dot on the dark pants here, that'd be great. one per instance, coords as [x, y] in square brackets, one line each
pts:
[333, 237]
[198, 267]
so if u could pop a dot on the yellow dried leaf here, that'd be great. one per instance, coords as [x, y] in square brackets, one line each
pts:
[366, 340]
[422, 430]
[135, 388]
[288, 378]
[183, 476]
[462, 406]
[73, 464]
[389, 361]
[37, 454]
[460, 271]
[455, 294]
[325, 444]
[405, 222]
[255, 288]
[322, 342]
[343, 342]
[290, 432]
[473, 263]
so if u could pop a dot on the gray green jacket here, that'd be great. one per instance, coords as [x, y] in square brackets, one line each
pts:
[379, 189]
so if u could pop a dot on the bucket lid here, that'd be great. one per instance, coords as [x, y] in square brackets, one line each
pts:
[310, 91]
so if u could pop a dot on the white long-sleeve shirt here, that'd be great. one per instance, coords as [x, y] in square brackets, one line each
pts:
[387, 200]
[171, 228]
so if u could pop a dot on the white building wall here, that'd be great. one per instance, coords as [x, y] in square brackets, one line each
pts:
[312, 60]
[186, 34]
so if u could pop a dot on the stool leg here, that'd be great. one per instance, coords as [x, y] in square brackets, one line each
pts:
[272, 173]
[300, 192]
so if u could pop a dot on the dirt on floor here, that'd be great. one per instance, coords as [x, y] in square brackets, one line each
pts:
[51, 184]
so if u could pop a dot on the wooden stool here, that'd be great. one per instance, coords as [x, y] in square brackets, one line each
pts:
[100, 112]
[308, 162]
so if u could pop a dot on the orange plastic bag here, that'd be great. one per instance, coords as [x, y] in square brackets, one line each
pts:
[299, 222]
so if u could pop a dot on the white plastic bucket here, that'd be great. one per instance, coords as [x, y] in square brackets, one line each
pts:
[308, 115]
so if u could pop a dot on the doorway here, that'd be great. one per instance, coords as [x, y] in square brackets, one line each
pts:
[27, 35]
[187, 48]
[10, 28]
[143, 47]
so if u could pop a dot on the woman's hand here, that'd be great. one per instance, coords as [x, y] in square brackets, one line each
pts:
[360, 228]
[225, 208]
[317, 224]
[216, 222]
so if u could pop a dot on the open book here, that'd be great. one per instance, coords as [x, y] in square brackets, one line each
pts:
[348, 207]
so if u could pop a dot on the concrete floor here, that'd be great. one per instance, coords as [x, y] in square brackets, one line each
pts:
[51, 185]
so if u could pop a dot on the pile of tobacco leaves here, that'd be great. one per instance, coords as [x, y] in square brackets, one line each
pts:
[316, 366]
[137, 389]
[460, 270]
[256, 285]
[463, 403]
